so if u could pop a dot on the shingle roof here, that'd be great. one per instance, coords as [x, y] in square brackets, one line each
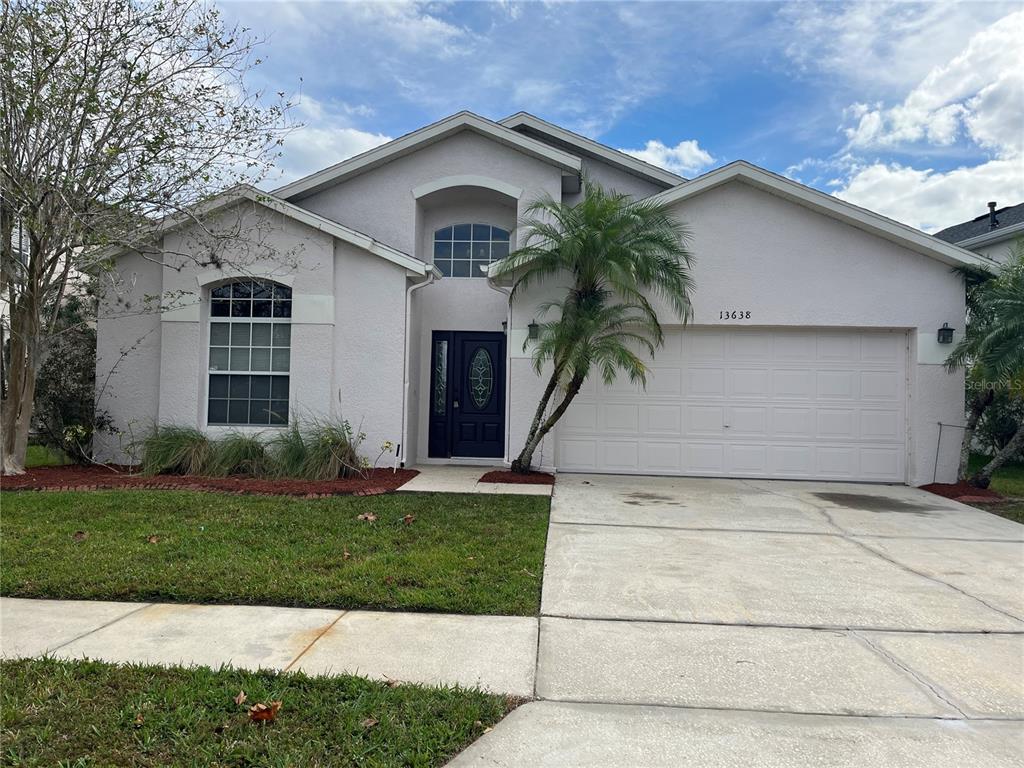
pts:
[1011, 214]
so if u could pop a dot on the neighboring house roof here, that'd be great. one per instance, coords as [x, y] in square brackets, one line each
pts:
[531, 124]
[268, 200]
[828, 205]
[411, 142]
[979, 230]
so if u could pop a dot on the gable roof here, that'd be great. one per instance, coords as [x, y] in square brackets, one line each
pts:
[404, 145]
[978, 230]
[848, 213]
[270, 201]
[532, 124]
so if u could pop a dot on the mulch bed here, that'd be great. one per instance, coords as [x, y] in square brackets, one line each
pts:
[77, 478]
[962, 491]
[516, 478]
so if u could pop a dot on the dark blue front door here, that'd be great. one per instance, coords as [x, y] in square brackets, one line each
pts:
[467, 394]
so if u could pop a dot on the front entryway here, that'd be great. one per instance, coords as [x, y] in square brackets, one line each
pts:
[467, 394]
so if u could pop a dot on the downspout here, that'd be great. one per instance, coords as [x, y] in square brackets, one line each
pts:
[508, 363]
[431, 275]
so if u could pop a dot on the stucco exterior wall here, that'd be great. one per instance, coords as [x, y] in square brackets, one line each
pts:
[614, 179]
[369, 344]
[790, 266]
[381, 204]
[128, 341]
[999, 252]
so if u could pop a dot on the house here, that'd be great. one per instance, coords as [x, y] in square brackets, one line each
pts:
[992, 234]
[360, 291]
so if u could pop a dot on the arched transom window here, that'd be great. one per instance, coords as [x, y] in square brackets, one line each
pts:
[460, 250]
[250, 353]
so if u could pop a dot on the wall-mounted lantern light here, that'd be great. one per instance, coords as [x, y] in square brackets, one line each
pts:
[504, 326]
[533, 331]
[946, 334]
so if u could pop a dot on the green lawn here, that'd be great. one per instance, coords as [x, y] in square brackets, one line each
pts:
[1008, 481]
[474, 554]
[90, 713]
[41, 456]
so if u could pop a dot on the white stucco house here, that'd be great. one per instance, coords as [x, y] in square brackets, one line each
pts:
[360, 292]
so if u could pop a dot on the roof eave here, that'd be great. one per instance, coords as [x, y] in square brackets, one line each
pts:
[993, 236]
[420, 138]
[621, 160]
[851, 214]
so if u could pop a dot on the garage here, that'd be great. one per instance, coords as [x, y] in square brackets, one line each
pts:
[773, 403]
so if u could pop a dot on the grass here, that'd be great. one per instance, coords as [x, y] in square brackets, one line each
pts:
[1008, 481]
[41, 456]
[473, 554]
[91, 713]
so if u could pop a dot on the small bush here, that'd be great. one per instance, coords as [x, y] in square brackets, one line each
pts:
[239, 454]
[176, 451]
[332, 451]
[288, 452]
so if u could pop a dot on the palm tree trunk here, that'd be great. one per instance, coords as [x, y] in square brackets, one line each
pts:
[983, 477]
[549, 390]
[525, 460]
[978, 406]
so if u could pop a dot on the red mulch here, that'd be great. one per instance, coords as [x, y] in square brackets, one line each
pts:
[77, 478]
[962, 491]
[531, 478]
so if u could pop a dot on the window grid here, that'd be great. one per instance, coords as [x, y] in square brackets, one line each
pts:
[249, 357]
[462, 249]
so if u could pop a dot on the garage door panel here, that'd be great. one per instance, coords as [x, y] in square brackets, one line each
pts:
[787, 404]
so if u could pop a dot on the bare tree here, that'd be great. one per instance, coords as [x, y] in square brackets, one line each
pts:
[115, 113]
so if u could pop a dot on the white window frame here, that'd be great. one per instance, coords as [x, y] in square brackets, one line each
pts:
[271, 321]
[472, 241]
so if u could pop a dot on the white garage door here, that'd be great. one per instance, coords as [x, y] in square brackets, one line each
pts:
[750, 403]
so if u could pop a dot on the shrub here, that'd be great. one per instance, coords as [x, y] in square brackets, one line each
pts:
[176, 451]
[239, 454]
[332, 451]
[287, 452]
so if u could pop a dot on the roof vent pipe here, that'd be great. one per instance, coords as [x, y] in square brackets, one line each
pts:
[993, 222]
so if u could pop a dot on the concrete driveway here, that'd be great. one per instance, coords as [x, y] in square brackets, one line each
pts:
[738, 623]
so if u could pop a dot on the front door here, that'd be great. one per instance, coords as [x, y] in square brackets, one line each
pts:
[467, 394]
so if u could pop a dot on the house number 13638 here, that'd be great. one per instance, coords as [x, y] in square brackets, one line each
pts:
[734, 314]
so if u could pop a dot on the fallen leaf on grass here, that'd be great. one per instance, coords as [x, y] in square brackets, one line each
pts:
[240, 698]
[139, 720]
[389, 580]
[263, 713]
[408, 519]
[345, 555]
[367, 516]
[80, 536]
[369, 722]
[153, 539]
[390, 682]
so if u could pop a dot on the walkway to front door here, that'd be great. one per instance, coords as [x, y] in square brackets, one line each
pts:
[467, 394]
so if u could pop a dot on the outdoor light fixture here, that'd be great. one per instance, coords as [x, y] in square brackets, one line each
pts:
[504, 326]
[946, 334]
[533, 331]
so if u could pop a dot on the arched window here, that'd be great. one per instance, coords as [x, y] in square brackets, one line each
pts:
[460, 250]
[250, 353]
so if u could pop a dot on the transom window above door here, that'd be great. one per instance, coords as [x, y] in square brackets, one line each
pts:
[462, 249]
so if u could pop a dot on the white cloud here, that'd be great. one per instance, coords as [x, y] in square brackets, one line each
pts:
[325, 138]
[978, 94]
[931, 200]
[686, 157]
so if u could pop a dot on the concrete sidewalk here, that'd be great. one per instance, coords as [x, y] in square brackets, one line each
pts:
[437, 478]
[495, 653]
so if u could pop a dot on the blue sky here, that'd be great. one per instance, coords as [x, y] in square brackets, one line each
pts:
[913, 110]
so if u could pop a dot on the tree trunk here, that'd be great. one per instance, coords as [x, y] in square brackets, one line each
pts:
[983, 477]
[16, 418]
[978, 406]
[525, 459]
[549, 390]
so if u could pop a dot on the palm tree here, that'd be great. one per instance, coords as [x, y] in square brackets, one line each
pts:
[618, 253]
[993, 349]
